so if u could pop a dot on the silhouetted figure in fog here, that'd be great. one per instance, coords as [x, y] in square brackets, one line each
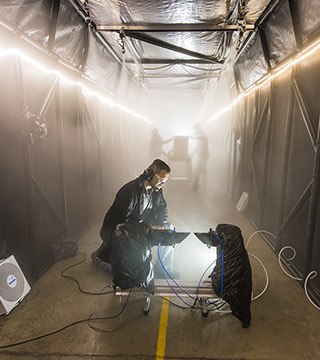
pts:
[199, 158]
[156, 145]
[140, 200]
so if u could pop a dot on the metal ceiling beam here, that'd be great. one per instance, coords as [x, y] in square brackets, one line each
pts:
[164, 44]
[188, 81]
[268, 10]
[84, 16]
[162, 76]
[172, 27]
[132, 52]
[171, 61]
[244, 45]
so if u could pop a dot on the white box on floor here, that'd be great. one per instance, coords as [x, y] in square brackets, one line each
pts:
[13, 285]
[243, 202]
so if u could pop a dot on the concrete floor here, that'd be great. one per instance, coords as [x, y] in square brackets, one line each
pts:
[285, 326]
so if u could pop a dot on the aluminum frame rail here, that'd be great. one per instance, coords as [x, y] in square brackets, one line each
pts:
[162, 289]
[172, 27]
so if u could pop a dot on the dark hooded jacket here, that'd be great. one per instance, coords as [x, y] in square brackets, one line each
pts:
[127, 208]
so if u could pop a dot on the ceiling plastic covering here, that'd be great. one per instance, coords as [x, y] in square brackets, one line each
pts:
[280, 34]
[160, 44]
[160, 58]
[33, 17]
[286, 28]
[251, 65]
[72, 32]
[309, 16]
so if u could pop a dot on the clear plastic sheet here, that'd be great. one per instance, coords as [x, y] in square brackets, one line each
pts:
[255, 10]
[113, 12]
[32, 17]
[279, 33]
[216, 44]
[100, 65]
[309, 16]
[251, 64]
[216, 12]
[70, 35]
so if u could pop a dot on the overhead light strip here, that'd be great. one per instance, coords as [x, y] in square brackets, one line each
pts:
[301, 55]
[67, 80]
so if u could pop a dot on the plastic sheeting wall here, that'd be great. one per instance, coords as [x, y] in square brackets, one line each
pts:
[56, 188]
[289, 27]
[63, 154]
[272, 156]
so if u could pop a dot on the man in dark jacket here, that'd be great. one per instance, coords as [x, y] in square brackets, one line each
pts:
[138, 200]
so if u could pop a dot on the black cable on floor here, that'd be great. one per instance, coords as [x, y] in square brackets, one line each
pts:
[69, 325]
[77, 282]
[90, 318]
[120, 314]
[216, 306]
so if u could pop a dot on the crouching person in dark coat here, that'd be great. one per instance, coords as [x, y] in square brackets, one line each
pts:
[140, 201]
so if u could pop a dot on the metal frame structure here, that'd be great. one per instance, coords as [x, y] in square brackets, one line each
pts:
[88, 126]
[264, 127]
[131, 30]
[47, 218]
[172, 27]
[163, 288]
[257, 211]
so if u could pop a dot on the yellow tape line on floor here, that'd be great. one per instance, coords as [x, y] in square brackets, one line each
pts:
[162, 336]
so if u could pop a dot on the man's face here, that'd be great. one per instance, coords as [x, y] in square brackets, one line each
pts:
[159, 179]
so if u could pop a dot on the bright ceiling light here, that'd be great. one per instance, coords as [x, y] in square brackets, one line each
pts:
[68, 81]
